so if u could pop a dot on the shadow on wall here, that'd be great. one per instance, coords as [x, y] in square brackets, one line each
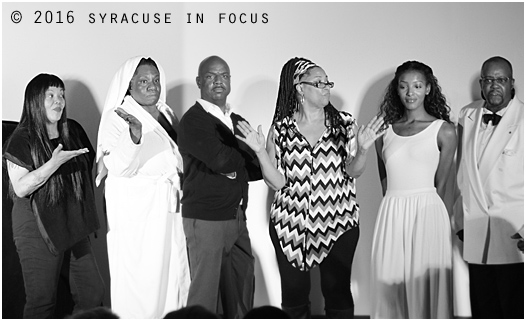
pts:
[83, 108]
[175, 97]
[369, 196]
[476, 92]
[337, 101]
[256, 101]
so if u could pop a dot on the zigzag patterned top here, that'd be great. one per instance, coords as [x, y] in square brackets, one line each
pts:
[318, 202]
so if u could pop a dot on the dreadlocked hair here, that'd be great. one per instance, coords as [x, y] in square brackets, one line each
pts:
[287, 103]
[34, 120]
[392, 108]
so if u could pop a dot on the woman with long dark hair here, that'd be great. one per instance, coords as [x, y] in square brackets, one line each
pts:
[313, 156]
[49, 160]
[411, 256]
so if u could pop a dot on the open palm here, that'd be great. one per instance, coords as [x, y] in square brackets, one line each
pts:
[254, 139]
[61, 156]
[368, 134]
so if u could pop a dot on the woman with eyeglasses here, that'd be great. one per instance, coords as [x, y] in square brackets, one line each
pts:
[411, 256]
[313, 155]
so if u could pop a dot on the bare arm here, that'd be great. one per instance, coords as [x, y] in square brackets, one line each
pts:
[379, 144]
[267, 157]
[447, 144]
[25, 182]
[366, 136]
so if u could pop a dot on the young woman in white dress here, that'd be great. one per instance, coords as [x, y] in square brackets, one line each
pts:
[411, 256]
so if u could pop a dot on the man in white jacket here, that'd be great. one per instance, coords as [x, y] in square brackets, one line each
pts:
[491, 180]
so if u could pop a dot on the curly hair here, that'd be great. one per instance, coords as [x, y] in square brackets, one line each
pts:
[392, 108]
[287, 103]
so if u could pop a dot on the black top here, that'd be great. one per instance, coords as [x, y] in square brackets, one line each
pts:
[64, 224]
[210, 150]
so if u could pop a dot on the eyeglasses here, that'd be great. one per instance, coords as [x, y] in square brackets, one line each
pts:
[319, 85]
[490, 80]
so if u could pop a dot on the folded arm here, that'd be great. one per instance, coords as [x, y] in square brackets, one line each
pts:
[200, 138]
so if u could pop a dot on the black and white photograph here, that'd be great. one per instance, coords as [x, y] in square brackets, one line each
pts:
[262, 160]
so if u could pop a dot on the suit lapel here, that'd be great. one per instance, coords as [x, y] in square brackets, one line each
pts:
[470, 146]
[471, 131]
[502, 134]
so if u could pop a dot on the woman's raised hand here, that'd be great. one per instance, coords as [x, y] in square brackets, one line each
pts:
[133, 122]
[368, 134]
[254, 139]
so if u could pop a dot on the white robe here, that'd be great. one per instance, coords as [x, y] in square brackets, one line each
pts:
[146, 242]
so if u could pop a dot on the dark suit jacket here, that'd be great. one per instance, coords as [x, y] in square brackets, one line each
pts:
[210, 150]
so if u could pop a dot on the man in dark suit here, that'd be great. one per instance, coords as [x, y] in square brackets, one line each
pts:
[217, 169]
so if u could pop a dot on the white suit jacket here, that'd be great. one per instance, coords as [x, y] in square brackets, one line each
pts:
[492, 192]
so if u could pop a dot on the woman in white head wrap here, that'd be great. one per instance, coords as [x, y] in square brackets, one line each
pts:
[137, 151]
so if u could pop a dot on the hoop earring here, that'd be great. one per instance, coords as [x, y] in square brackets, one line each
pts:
[302, 99]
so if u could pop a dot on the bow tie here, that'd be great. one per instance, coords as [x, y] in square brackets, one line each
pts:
[495, 119]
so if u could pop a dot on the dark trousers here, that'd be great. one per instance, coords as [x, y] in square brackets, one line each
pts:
[497, 291]
[221, 265]
[335, 276]
[41, 271]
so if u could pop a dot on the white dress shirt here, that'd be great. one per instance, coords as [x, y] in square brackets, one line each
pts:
[215, 111]
[486, 131]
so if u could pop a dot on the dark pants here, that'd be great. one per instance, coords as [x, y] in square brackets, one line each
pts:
[497, 291]
[335, 275]
[221, 265]
[41, 271]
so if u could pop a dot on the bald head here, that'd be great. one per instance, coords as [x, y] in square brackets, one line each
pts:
[210, 60]
[500, 61]
[213, 80]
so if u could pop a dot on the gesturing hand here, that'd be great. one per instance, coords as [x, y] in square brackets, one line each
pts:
[61, 156]
[369, 133]
[133, 122]
[255, 140]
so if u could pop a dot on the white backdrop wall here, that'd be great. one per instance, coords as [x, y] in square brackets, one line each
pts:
[358, 44]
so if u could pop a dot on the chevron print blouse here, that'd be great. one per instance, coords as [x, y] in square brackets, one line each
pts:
[318, 202]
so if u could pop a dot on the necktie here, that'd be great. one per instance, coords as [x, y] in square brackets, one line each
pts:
[495, 119]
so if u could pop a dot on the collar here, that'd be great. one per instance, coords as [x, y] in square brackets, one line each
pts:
[212, 108]
[500, 112]
[215, 111]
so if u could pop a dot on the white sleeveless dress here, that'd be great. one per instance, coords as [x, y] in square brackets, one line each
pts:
[411, 255]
